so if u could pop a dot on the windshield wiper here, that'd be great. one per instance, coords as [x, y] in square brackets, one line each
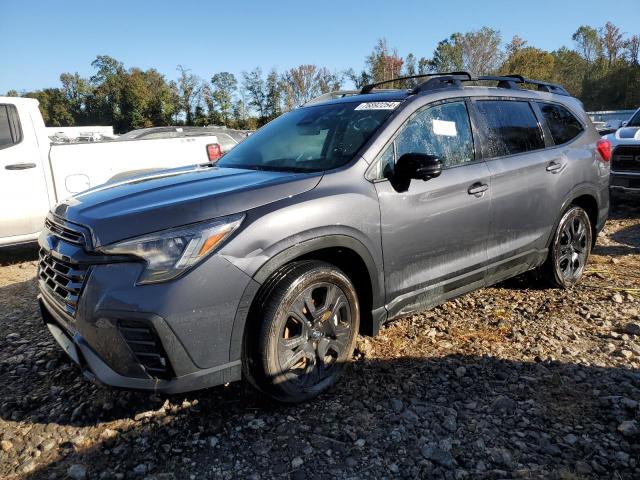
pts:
[271, 168]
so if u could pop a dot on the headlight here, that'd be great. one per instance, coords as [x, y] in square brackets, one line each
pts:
[172, 252]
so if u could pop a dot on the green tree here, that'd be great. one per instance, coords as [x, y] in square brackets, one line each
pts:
[530, 62]
[588, 43]
[256, 90]
[224, 87]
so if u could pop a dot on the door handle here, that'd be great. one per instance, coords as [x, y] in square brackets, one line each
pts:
[554, 167]
[477, 188]
[20, 166]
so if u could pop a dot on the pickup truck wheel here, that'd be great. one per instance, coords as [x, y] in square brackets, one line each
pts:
[308, 327]
[569, 249]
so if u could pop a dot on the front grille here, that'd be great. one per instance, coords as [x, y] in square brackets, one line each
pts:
[64, 232]
[626, 158]
[147, 348]
[64, 280]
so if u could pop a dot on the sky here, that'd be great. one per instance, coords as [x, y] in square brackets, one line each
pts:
[42, 38]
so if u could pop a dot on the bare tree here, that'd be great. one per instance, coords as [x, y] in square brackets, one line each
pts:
[612, 42]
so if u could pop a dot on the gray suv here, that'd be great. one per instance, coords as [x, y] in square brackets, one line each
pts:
[354, 209]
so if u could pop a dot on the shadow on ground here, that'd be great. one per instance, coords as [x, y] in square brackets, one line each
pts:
[425, 417]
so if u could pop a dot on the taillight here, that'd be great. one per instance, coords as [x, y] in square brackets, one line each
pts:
[214, 152]
[604, 149]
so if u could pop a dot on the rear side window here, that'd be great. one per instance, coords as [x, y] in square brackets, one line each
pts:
[508, 127]
[10, 131]
[563, 125]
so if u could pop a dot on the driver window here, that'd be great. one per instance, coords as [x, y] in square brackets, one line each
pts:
[442, 130]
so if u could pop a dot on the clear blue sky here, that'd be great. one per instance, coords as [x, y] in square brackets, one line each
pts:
[42, 39]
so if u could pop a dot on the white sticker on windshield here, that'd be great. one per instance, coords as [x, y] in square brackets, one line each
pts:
[377, 106]
[443, 127]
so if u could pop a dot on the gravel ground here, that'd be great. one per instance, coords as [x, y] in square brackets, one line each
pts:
[506, 382]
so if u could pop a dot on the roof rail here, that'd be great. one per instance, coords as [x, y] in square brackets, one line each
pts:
[331, 95]
[450, 80]
[368, 88]
[511, 81]
[443, 80]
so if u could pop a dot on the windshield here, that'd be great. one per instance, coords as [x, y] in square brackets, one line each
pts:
[310, 139]
[635, 120]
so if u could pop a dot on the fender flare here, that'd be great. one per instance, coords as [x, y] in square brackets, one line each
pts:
[575, 193]
[376, 278]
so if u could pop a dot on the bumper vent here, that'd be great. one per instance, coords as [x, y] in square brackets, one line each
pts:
[626, 158]
[63, 280]
[64, 232]
[147, 348]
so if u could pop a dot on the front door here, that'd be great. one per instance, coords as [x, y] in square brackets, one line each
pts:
[24, 200]
[434, 234]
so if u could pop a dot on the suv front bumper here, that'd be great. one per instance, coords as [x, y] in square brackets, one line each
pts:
[185, 325]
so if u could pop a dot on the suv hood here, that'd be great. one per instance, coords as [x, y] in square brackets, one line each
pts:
[171, 198]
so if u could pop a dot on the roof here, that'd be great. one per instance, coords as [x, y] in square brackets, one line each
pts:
[509, 85]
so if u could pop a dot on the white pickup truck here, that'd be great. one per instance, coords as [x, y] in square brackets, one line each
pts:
[35, 175]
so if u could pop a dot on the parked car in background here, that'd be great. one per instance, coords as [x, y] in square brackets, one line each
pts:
[227, 138]
[326, 222]
[35, 174]
[79, 134]
[625, 156]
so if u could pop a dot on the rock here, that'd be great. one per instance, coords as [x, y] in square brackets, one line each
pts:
[632, 328]
[628, 428]
[437, 455]
[77, 472]
[617, 298]
[360, 442]
[213, 441]
[140, 469]
[504, 404]
[583, 468]
[410, 416]
[296, 462]
[461, 372]
[256, 424]
[28, 467]
[570, 439]
[6, 445]
[397, 405]
[450, 423]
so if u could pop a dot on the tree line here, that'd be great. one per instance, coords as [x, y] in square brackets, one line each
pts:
[601, 69]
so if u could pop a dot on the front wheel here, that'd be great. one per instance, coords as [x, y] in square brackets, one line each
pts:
[570, 249]
[308, 321]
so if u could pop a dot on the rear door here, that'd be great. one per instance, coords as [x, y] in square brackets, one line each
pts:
[434, 234]
[24, 201]
[523, 208]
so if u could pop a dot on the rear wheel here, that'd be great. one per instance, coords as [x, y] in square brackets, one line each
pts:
[308, 321]
[570, 249]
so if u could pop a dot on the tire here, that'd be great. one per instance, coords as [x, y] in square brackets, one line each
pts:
[304, 330]
[569, 250]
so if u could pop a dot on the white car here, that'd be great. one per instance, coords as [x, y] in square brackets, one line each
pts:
[625, 157]
[35, 174]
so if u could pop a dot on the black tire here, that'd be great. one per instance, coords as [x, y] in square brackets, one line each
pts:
[569, 249]
[303, 332]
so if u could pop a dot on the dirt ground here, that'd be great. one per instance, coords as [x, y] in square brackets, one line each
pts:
[514, 381]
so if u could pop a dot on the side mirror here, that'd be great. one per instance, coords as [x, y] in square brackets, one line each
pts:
[418, 166]
[624, 124]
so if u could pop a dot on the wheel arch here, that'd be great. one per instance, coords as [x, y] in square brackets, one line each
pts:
[586, 199]
[346, 253]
